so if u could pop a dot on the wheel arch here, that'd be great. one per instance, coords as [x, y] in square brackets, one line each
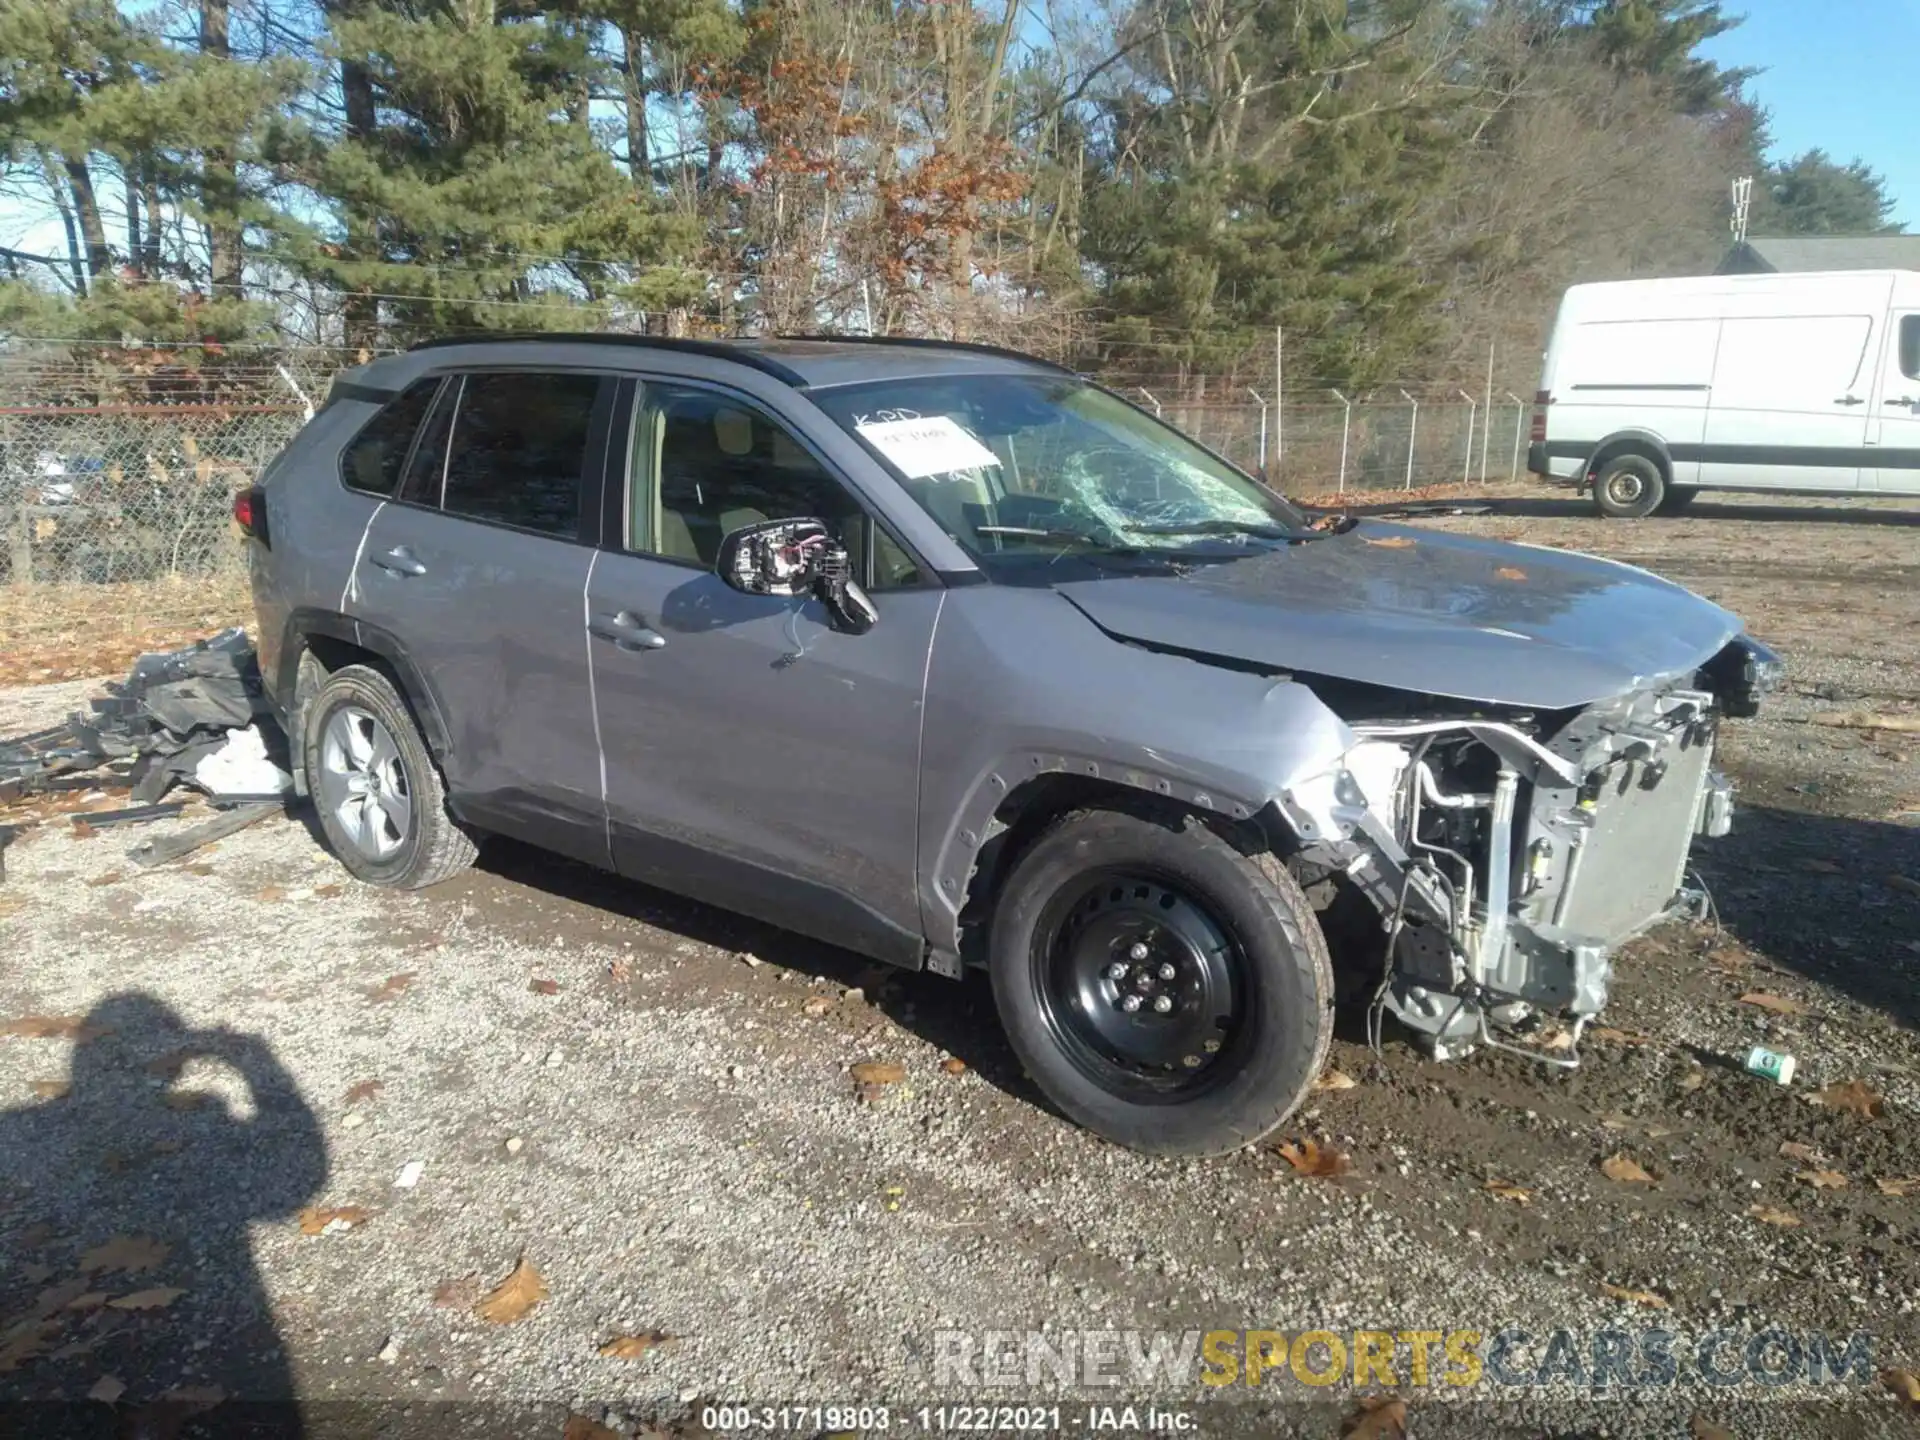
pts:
[1631, 442]
[1006, 815]
[323, 641]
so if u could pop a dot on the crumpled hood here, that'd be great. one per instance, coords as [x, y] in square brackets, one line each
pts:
[1427, 611]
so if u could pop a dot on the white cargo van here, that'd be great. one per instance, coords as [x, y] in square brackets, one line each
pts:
[1657, 389]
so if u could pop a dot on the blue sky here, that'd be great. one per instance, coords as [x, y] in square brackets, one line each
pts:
[1840, 76]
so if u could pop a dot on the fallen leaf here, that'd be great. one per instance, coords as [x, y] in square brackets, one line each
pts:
[200, 868]
[1773, 1215]
[1805, 1154]
[131, 1253]
[1380, 1417]
[1614, 1120]
[51, 1089]
[1898, 1185]
[365, 1090]
[1903, 1383]
[1310, 1158]
[112, 877]
[749, 959]
[544, 987]
[1701, 1428]
[1822, 1179]
[579, 1427]
[186, 1099]
[1557, 1039]
[1510, 572]
[25, 1341]
[1904, 882]
[954, 1065]
[619, 970]
[1637, 1297]
[1854, 1095]
[92, 1300]
[168, 1065]
[1779, 1004]
[514, 1296]
[393, 986]
[1331, 1079]
[1864, 720]
[157, 1298]
[325, 892]
[318, 1219]
[457, 1294]
[877, 1072]
[1694, 1078]
[1390, 542]
[632, 1347]
[817, 1006]
[270, 893]
[53, 1027]
[1507, 1190]
[1618, 1037]
[107, 1389]
[1625, 1170]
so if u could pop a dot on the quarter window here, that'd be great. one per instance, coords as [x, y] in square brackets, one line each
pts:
[373, 459]
[519, 450]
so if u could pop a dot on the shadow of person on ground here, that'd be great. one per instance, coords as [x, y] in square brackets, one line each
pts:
[126, 1268]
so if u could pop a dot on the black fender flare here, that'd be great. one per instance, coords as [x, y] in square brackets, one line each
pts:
[1637, 440]
[307, 621]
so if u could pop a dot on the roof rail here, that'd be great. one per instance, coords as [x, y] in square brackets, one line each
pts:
[923, 343]
[740, 354]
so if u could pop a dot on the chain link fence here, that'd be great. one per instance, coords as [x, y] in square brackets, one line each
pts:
[116, 480]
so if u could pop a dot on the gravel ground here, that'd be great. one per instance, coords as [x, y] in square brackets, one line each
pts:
[648, 1102]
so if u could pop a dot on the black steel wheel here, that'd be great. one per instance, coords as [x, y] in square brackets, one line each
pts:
[1163, 988]
[1141, 987]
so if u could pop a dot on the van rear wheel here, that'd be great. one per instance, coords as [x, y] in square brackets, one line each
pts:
[1628, 486]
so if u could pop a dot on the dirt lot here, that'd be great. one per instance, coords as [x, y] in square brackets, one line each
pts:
[649, 1102]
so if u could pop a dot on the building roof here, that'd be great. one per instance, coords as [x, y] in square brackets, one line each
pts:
[1792, 253]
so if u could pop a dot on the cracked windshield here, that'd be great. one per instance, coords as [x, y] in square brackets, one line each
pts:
[1021, 465]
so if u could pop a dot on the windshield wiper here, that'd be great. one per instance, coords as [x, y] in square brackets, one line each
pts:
[1235, 527]
[1044, 532]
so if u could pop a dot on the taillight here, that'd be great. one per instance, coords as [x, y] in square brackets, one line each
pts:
[250, 513]
[1541, 399]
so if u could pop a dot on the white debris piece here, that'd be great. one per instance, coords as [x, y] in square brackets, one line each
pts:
[410, 1174]
[241, 767]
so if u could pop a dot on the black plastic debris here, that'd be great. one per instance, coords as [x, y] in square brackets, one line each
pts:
[153, 730]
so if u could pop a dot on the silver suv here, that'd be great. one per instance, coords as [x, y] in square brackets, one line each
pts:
[945, 655]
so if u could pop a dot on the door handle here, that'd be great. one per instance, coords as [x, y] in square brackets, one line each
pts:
[1849, 400]
[626, 630]
[399, 561]
[1906, 400]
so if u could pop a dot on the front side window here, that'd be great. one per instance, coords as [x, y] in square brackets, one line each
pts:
[703, 464]
[373, 459]
[1030, 467]
[518, 452]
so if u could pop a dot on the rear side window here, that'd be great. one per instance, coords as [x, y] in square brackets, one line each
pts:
[519, 451]
[373, 459]
[1910, 346]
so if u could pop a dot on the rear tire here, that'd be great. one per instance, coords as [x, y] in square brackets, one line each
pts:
[380, 798]
[1217, 953]
[1628, 486]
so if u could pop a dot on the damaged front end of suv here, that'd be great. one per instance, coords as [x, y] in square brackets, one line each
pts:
[1498, 856]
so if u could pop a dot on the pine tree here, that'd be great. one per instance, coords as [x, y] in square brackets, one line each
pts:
[1814, 194]
[467, 188]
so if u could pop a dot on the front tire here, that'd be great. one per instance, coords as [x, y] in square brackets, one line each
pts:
[1628, 487]
[1163, 989]
[380, 798]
